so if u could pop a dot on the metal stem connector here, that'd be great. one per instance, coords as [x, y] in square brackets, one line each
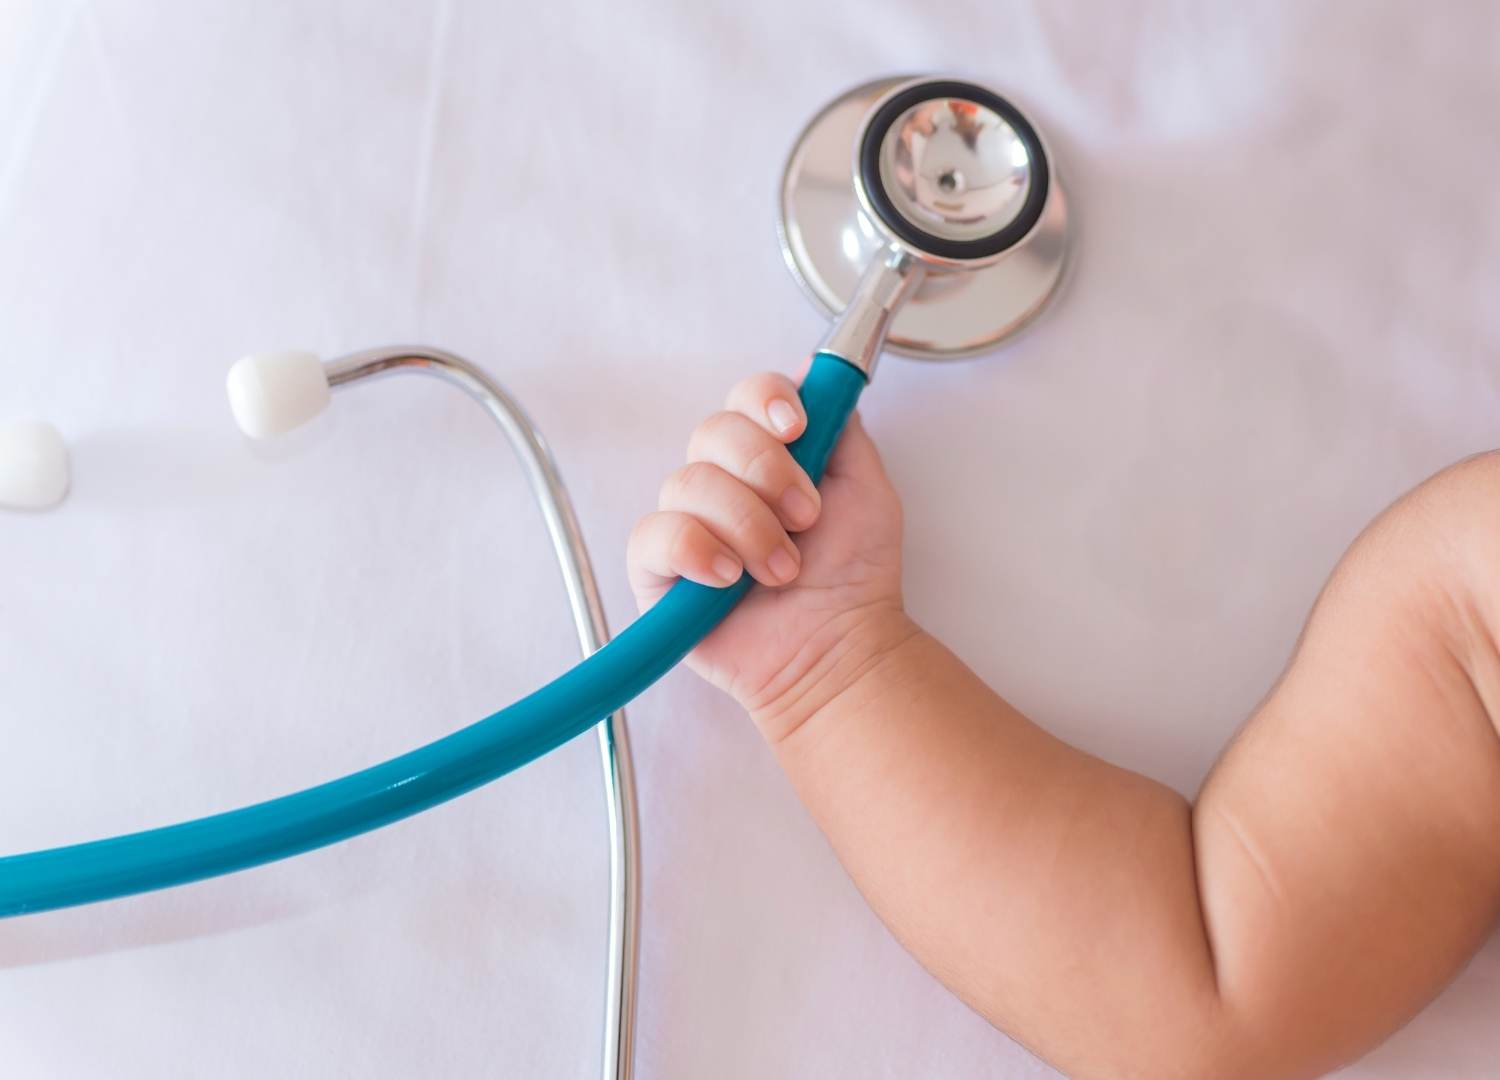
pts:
[858, 334]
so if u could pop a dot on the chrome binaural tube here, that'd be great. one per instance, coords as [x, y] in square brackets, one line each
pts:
[588, 618]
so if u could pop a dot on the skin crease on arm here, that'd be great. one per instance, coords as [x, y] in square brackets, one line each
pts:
[1337, 869]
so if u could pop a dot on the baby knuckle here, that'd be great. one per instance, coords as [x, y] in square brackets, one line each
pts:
[742, 391]
[698, 477]
[766, 464]
[686, 483]
[745, 521]
[639, 534]
[708, 431]
[718, 427]
[681, 548]
[779, 384]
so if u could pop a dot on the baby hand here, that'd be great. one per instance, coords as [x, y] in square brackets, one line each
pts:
[830, 603]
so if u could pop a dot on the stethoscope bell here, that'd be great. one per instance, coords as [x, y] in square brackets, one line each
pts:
[946, 173]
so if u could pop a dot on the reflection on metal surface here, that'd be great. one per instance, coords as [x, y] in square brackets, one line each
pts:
[955, 169]
[828, 240]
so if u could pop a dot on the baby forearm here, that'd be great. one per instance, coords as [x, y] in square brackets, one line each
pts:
[1044, 886]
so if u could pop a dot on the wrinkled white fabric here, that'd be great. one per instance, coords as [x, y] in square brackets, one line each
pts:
[1283, 312]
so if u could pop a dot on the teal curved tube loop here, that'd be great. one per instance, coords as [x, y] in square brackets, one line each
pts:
[544, 720]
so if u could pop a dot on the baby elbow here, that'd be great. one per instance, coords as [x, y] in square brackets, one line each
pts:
[1449, 528]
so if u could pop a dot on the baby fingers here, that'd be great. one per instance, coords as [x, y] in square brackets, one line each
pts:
[771, 401]
[670, 544]
[737, 516]
[752, 455]
[731, 508]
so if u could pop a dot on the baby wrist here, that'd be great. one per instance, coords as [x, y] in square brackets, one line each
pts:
[857, 648]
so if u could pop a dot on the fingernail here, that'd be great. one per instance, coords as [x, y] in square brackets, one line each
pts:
[726, 569]
[799, 509]
[782, 564]
[783, 416]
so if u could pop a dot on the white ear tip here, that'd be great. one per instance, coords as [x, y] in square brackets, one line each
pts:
[271, 393]
[33, 465]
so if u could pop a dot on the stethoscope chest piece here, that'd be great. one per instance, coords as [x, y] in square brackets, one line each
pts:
[951, 175]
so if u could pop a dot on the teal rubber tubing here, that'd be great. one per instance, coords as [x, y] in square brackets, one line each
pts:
[568, 706]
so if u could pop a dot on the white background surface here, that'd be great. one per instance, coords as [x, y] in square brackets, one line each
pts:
[1283, 313]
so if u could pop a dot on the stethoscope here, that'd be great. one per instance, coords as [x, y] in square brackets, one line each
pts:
[952, 236]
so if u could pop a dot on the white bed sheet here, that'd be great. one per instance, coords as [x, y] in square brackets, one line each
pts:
[1282, 314]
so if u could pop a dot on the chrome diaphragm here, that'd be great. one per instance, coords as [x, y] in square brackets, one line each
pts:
[948, 173]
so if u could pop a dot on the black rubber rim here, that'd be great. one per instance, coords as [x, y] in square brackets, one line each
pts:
[869, 171]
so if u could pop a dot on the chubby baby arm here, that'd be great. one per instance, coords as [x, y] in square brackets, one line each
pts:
[1338, 867]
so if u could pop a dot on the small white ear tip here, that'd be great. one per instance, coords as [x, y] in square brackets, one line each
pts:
[272, 393]
[34, 468]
